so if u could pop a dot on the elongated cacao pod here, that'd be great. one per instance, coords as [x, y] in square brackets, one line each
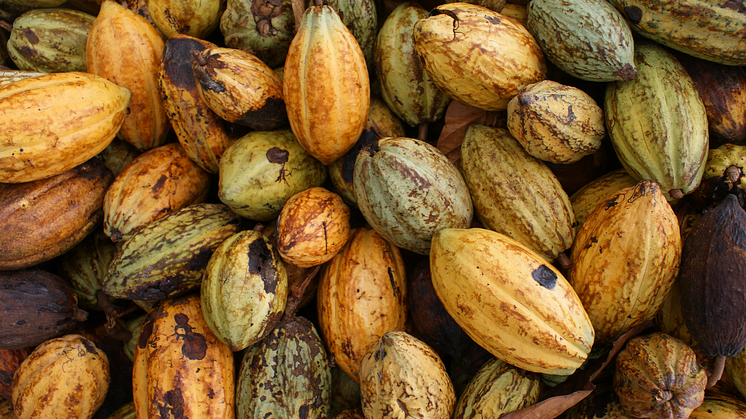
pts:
[181, 369]
[55, 122]
[326, 86]
[658, 124]
[200, 131]
[43, 219]
[125, 48]
[197, 18]
[510, 300]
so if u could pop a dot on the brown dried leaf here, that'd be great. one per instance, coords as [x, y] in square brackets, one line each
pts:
[457, 120]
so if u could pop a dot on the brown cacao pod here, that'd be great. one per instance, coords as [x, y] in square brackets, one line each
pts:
[43, 219]
[125, 48]
[181, 368]
[65, 377]
[361, 296]
[10, 360]
[157, 182]
[657, 376]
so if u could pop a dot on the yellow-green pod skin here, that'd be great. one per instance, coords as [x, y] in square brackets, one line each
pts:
[262, 170]
[658, 124]
[735, 367]
[406, 88]
[244, 289]
[719, 409]
[713, 30]
[721, 158]
[510, 301]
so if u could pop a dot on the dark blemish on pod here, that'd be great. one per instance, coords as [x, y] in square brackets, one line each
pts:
[145, 331]
[195, 345]
[89, 346]
[173, 404]
[545, 277]
[634, 14]
[261, 263]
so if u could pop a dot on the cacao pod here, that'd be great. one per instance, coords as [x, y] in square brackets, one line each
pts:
[10, 360]
[85, 266]
[266, 28]
[719, 409]
[585, 199]
[196, 18]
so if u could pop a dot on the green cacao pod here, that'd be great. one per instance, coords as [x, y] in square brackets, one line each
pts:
[588, 39]
[286, 375]
[658, 124]
[50, 40]
[729, 162]
[407, 190]
[361, 18]
[244, 289]
[264, 28]
[168, 256]
[127, 411]
[85, 267]
[133, 326]
[515, 193]
[262, 170]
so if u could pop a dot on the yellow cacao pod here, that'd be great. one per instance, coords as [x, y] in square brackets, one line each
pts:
[325, 86]
[585, 199]
[181, 369]
[125, 48]
[719, 409]
[361, 296]
[509, 58]
[510, 301]
[625, 259]
[55, 122]
[197, 18]
[65, 377]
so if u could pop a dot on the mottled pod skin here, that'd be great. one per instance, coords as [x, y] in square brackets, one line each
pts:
[712, 279]
[515, 193]
[286, 375]
[510, 301]
[197, 18]
[556, 123]
[240, 88]
[720, 160]
[587, 198]
[50, 40]
[711, 30]
[657, 376]
[361, 296]
[668, 145]
[266, 28]
[244, 289]
[497, 388]
[406, 87]
[400, 376]
[10, 360]
[588, 39]
[168, 257]
[181, 369]
[55, 122]
[85, 266]
[200, 131]
[312, 227]
[262, 170]
[361, 18]
[64, 377]
[125, 48]
[735, 367]
[407, 190]
[625, 259]
[716, 409]
[43, 219]
[509, 57]
[156, 183]
[326, 85]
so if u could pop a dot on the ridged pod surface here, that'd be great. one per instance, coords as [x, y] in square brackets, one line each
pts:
[625, 259]
[400, 376]
[556, 123]
[711, 30]
[125, 48]
[50, 40]
[262, 170]
[719, 409]
[197, 18]
[721, 159]
[407, 190]
[496, 389]
[266, 28]
[668, 145]
[406, 87]
[510, 301]
[326, 86]
[361, 296]
[156, 183]
[286, 375]
[361, 18]
[181, 369]
[588, 39]
[65, 377]
[244, 289]
[515, 193]
[169, 256]
[509, 58]
[657, 376]
[55, 122]
[199, 129]
[43, 219]
[587, 198]
[85, 266]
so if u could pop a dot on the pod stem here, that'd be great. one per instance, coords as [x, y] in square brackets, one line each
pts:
[676, 193]
[297, 290]
[422, 135]
[5, 25]
[717, 371]
[564, 261]
[112, 313]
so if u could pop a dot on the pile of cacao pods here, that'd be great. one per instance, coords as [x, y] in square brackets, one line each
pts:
[372, 209]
